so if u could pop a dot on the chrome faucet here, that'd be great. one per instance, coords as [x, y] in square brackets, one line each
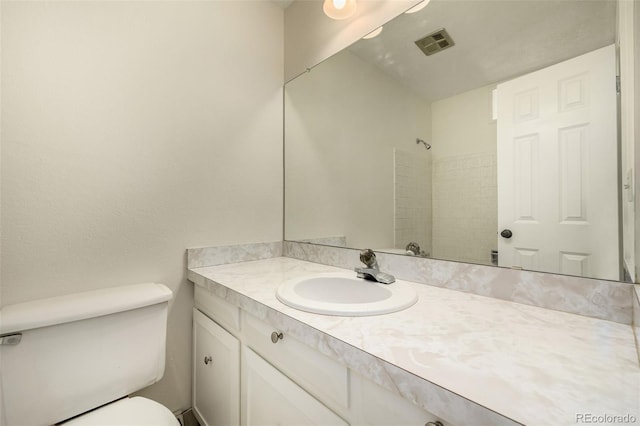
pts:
[413, 249]
[372, 271]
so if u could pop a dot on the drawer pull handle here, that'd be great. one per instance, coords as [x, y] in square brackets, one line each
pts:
[208, 359]
[276, 335]
[436, 423]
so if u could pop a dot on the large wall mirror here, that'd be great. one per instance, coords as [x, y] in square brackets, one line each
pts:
[480, 131]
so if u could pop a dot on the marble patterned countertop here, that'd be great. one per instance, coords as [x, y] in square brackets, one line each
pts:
[469, 359]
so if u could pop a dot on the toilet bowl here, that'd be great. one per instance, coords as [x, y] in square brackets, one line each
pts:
[75, 359]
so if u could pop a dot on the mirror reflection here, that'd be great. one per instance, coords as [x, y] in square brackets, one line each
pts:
[475, 131]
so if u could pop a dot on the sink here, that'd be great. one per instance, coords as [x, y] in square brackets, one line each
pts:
[346, 295]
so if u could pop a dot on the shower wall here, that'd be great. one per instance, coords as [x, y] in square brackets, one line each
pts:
[465, 211]
[412, 186]
[465, 207]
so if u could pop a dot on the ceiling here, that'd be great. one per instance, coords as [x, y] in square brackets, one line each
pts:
[495, 40]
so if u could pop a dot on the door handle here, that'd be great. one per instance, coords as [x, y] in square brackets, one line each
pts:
[506, 233]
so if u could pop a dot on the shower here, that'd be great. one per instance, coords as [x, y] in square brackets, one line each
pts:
[426, 144]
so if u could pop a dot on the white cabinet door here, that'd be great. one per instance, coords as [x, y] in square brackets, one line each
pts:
[376, 406]
[216, 373]
[270, 398]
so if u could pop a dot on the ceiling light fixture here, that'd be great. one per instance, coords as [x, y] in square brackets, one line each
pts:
[339, 9]
[418, 7]
[373, 33]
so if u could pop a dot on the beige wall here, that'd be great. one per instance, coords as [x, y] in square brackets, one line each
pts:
[131, 131]
[311, 37]
[462, 124]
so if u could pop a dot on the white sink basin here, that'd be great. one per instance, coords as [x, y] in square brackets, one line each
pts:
[345, 294]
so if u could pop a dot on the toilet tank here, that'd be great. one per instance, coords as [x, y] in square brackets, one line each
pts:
[80, 351]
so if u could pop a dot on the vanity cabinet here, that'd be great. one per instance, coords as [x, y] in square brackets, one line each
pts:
[266, 377]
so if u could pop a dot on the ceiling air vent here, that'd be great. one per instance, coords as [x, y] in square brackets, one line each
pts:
[435, 42]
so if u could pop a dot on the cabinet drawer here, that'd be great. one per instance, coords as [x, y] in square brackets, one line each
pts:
[314, 371]
[223, 312]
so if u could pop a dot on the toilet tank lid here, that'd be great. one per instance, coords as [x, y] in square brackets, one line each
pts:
[79, 306]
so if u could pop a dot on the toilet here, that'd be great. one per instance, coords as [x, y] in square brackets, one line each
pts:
[75, 359]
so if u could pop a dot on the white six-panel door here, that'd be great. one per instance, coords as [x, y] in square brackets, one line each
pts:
[557, 168]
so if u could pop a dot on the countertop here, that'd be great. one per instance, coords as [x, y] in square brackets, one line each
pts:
[469, 359]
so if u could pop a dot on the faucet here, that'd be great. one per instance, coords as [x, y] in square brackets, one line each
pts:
[372, 271]
[413, 249]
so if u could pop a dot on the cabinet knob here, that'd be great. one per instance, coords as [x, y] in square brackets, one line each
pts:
[208, 359]
[276, 335]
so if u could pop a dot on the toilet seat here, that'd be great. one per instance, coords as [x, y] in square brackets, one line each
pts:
[136, 411]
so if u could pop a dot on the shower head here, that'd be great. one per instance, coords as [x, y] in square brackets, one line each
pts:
[426, 144]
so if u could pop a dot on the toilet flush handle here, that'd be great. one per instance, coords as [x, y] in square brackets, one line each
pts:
[208, 359]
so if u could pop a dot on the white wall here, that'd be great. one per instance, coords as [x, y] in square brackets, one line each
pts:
[465, 209]
[311, 37]
[462, 124]
[342, 123]
[131, 131]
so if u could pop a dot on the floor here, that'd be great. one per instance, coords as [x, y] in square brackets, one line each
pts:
[188, 419]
